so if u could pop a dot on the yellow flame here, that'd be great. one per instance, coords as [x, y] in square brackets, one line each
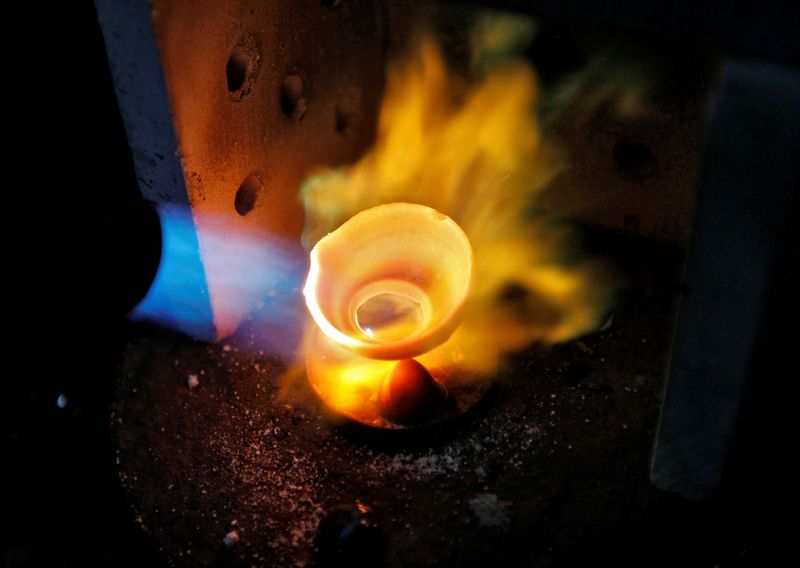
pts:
[475, 152]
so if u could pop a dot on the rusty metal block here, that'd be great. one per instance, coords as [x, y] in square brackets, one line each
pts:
[228, 106]
[631, 175]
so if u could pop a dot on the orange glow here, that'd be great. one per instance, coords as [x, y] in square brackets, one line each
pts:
[391, 282]
[473, 150]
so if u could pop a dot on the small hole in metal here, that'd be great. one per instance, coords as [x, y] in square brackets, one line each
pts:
[343, 119]
[247, 194]
[241, 70]
[348, 112]
[236, 69]
[633, 158]
[293, 102]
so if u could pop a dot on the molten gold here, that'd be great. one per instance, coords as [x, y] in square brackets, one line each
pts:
[391, 282]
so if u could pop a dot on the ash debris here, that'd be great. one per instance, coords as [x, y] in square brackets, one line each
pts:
[490, 511]
[193, 459]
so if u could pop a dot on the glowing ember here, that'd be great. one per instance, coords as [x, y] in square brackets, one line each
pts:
[409, 394]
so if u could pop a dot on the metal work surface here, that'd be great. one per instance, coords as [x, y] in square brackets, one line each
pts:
[551, 468]
[228, 106]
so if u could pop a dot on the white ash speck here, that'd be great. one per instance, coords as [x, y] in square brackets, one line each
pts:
[490, 511]
[193, 381]
[226, 348]
[451, 459]
[421, 467]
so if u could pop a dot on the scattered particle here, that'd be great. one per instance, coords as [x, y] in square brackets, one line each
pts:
[226, 348]
[231, 538]
[193, 381]
[62, 400]
[490, 511]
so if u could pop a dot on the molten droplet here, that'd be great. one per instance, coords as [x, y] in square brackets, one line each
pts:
[389, 316]
[409, 394]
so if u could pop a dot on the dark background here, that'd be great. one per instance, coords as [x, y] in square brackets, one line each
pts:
[83, 248]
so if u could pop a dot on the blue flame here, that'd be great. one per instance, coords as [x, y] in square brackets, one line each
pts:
[257, 275]
[178, 297]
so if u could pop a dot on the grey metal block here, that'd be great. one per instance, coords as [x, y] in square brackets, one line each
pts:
[749, 178]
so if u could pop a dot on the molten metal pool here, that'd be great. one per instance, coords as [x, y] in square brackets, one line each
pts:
[386, 291]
